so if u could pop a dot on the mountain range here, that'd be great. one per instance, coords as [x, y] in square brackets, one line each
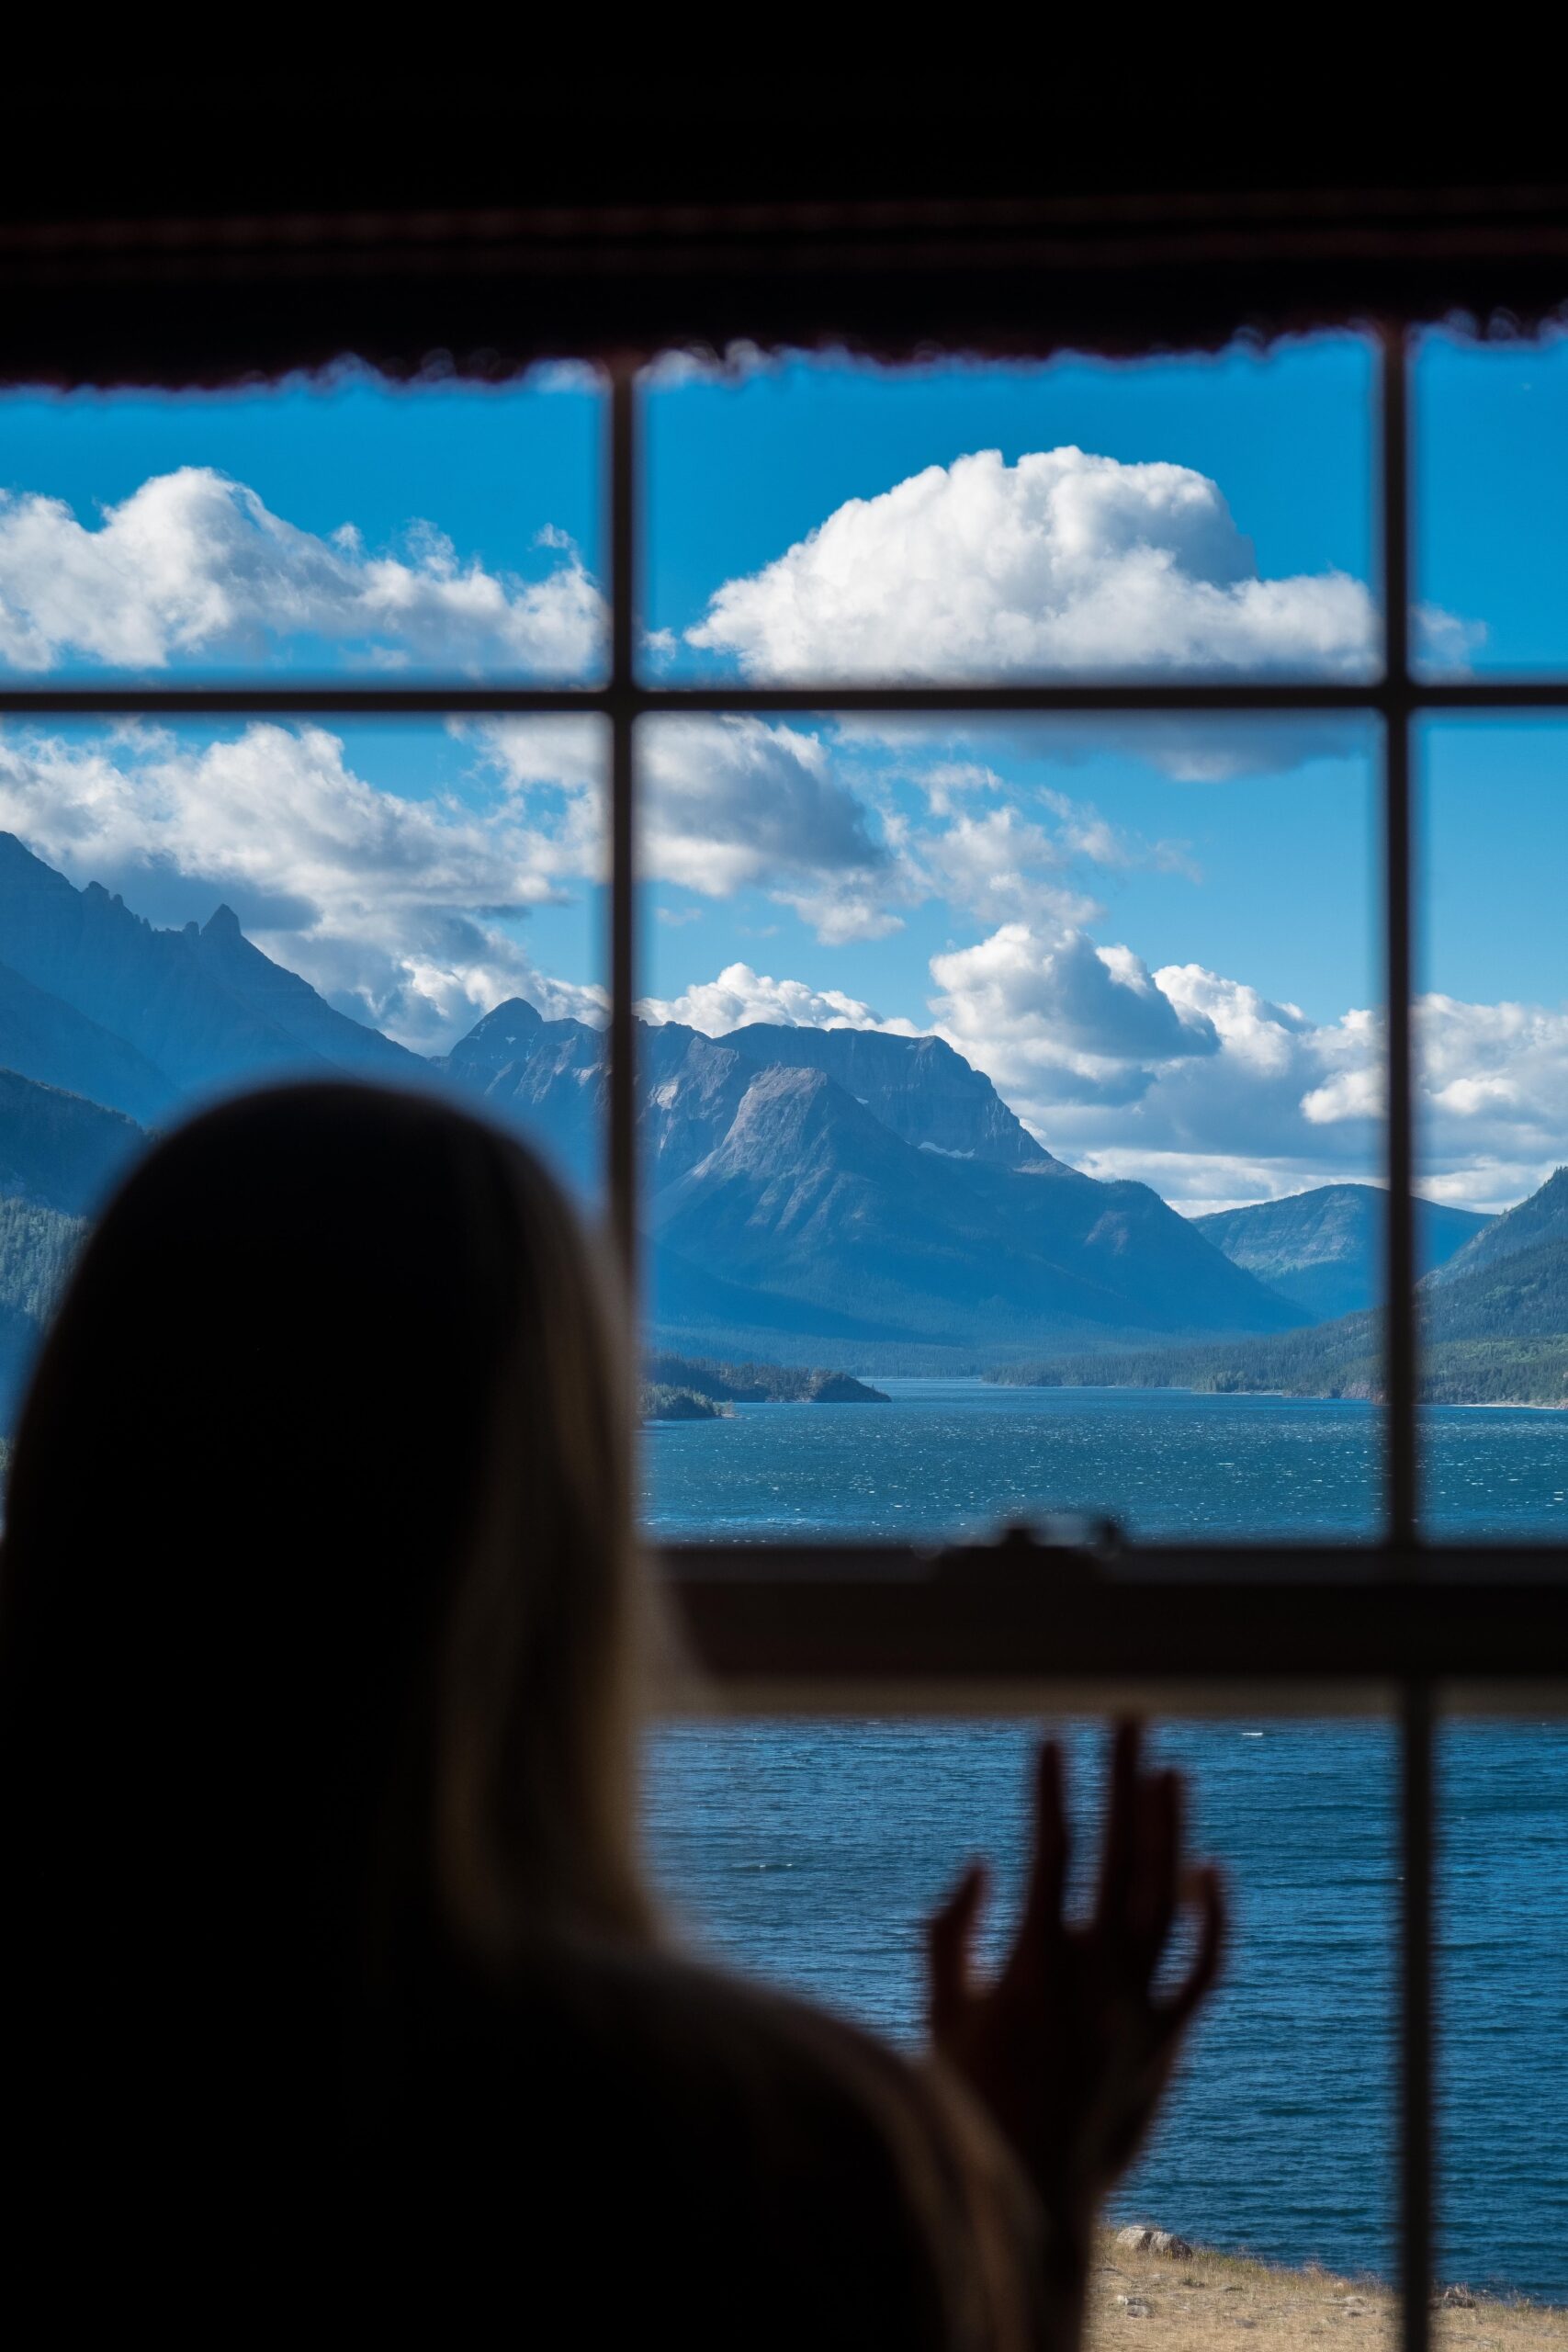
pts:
[809, 1194]
[855, 1185]
[1324, 1250]
[1493, 1325]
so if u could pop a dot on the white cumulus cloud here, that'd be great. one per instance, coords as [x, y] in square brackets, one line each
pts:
[1059, 1012]
[193, 563]
[727, 804]
[739, 995]
[999, 865]
[1064, 561]
[1493, 1097]
[1190, 1081]
[1214, 1093]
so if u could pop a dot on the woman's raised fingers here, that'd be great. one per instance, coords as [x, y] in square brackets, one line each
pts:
[1207, 1893]
[1121, 1829]
[1151, 1901]
[949, 1934]
[1052, 1851]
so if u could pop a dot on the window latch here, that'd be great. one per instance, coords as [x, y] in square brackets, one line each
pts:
[1062, 1545]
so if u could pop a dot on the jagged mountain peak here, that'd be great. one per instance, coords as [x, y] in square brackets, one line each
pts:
[514, 1012]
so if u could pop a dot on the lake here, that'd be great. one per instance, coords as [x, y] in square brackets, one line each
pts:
[810, 1852]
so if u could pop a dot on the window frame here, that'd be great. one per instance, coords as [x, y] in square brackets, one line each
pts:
[1393, 1623]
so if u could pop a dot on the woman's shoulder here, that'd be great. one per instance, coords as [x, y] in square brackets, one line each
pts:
[812, 2151]
[725, 2036]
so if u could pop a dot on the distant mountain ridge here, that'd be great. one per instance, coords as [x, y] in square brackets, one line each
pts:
[1323, 1250]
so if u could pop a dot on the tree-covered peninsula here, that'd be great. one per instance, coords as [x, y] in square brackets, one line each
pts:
[693, 1388]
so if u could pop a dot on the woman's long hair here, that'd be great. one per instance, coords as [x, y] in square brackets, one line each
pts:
[318, 1564]
[323, 1944]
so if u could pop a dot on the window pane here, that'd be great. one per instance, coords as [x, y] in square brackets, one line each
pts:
[811, 1852]
[186, 911]
[342, 525]
[820, 519]
[1503, 2043]
[1492, 1036]
[1491, 510]
[1029, 1076]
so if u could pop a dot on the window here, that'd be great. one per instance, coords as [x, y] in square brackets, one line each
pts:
[559, 753]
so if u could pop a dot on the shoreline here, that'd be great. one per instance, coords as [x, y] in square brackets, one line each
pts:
[1277, 1396]
[1149, 2287]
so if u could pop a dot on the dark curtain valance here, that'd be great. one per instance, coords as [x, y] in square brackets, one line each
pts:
[198, 301]
[186, 233]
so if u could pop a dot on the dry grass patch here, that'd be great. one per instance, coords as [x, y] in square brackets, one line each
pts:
[1203, 2302]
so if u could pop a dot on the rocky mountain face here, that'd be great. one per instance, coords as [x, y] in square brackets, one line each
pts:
[548, 1079]
[918, 1087]
[541, 1072]
[1324, 1250]
[1521, 1295]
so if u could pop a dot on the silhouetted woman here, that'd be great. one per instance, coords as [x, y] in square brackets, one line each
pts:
[333, 1987]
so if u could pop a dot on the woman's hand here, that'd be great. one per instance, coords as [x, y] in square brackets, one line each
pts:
[1069, 2047]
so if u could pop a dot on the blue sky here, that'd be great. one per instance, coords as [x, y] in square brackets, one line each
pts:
[1161, 941]
[1490, 446]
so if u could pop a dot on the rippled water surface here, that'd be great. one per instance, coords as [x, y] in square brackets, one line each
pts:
[810, 1852]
